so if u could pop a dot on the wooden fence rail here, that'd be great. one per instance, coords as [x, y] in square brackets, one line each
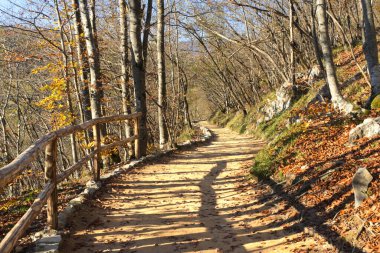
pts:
[48, 195]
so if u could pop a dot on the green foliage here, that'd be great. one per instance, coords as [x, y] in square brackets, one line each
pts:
[237, 123]
[268, 129]
[18, 205]
[267, 159]
[263, 163]
[376, 103]
[186, 134]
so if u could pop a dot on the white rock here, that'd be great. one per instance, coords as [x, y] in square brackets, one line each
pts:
[360, 183]
[369, 128]
[50, 240]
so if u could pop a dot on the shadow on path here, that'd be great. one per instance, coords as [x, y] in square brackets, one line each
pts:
[196, 201]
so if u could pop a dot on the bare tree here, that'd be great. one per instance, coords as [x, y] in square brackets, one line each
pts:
[124, 78]
[370, 49]
[324, 39]
[93, 60]
[82, 62]
[161, 73]
[138, 68]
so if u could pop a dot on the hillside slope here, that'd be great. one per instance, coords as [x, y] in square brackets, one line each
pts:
[309, 158]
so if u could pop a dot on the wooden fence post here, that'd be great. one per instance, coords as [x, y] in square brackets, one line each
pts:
[137, 141]
[51, 176]
[98, 156]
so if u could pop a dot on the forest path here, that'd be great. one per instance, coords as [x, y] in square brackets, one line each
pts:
[193, 201]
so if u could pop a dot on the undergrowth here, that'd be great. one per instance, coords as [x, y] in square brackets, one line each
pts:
[186, 134]
[279, 132]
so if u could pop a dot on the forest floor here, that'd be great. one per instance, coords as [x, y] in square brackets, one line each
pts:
[200, 200]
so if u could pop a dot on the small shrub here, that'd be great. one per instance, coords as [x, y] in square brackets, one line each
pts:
[376, 103]
[263, 164]
[186, 134]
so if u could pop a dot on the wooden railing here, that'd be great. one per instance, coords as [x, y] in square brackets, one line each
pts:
[48, 195]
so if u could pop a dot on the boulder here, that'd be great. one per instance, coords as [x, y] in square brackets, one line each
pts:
[369, 128]
[360, 183]
[282, 102]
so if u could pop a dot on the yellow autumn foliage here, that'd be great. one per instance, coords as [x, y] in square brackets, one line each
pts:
[55, 101]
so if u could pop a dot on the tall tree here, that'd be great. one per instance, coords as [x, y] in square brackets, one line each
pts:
[161, 73]
[93, 60]
[370, 49]
[82, 62]
[65, 61]
[291, 42]
[124, 78]
[138, 70]
[324, 39]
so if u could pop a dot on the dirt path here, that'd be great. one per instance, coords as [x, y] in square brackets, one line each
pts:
[196, 201]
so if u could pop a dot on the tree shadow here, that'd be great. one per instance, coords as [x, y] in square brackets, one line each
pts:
[316, 217]
[182, 214]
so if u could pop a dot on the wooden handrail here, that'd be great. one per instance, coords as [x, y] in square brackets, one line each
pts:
[49, 193]
[10, 171]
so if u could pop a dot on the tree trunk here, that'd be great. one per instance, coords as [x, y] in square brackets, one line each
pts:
[138, 69]
[146, 32]
[161, 73]
[292, 73]
[370, 49]
[93, 60]
[324, 39]
[67, 83]
[82, 63]
[124, 78]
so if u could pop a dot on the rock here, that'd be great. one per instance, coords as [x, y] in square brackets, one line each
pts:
[206, 133]
[315, 74]
[78, 200]
[94, 184]
[90, 191]
[46, 248]
[65, 215]
[322, 95]
[186, 143]
[118, 171]
[149, 157]
[289, 178]
[282, 102]
[19, 249]
[106, 176]
[360, 183]
[259, 120]
[43, 233]
[369, 128]
[309, 230]
[304, 167]
[133, 163]
[293, 120]
[50, 240]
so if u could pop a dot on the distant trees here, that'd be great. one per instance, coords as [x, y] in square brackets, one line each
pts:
[271, 42]
[76, 60]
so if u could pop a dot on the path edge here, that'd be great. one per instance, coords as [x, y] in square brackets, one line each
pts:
[49, 241]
